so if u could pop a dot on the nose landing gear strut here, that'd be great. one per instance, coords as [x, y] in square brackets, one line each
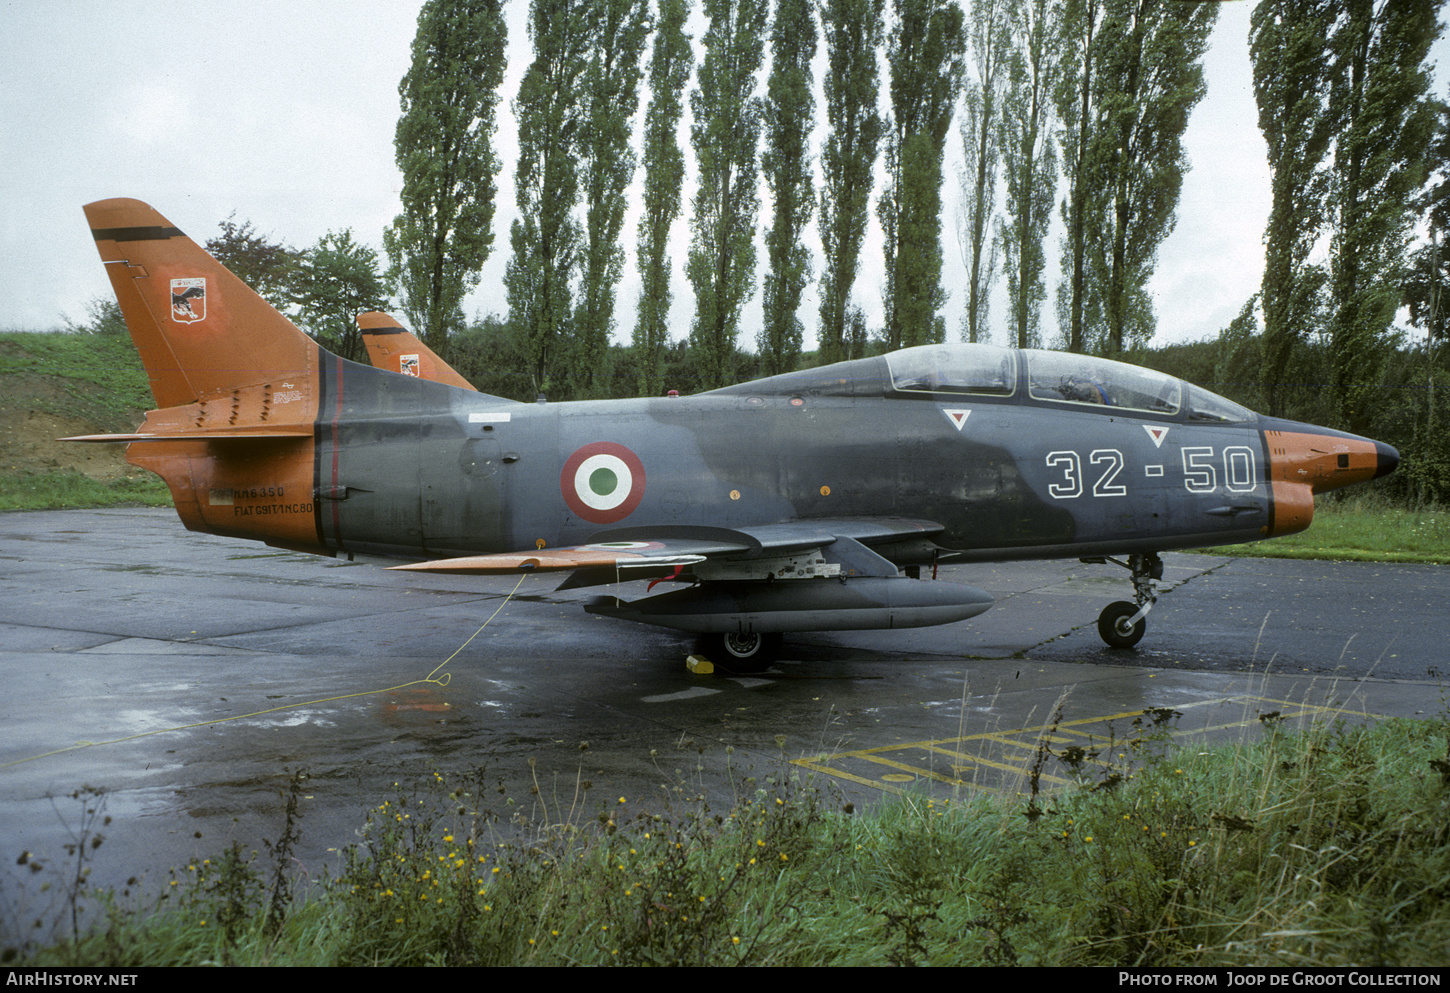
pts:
[1121, 624]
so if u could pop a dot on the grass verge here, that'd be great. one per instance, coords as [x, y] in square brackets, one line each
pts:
[1329, 846]
[1362, 529]
[73, 490]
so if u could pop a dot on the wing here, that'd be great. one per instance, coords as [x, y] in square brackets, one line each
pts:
[755, 552]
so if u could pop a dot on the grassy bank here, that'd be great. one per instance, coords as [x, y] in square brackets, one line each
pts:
[54, 385]
[1326, 847]
[1360, 528]
[72, 490]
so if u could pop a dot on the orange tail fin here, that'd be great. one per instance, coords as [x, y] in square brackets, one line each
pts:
[200, 330]
[392, 347]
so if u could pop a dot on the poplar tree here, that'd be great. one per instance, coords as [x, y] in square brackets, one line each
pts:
[725, 135]
[1146, 64]
[988, 48]
[611, 97]
[437, 246]
[1029, 160]
[1076, 112]
[1379, 93]
[1292, 76]
[789, 118]
[546, 237]
[664, 173]
[925, 51]
[853, 31]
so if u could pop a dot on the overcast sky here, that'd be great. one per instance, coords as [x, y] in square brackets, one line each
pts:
[284, 114]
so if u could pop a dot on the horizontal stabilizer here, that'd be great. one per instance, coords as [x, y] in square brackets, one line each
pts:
[250, 431]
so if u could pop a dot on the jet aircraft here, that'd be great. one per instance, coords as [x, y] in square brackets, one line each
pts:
[806, 501]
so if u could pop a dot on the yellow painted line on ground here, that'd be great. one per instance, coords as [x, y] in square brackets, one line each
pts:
[1019, 751]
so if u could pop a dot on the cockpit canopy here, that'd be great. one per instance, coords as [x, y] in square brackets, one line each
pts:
[1056, 377]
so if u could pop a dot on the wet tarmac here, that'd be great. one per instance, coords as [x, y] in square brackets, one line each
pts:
[204, 671]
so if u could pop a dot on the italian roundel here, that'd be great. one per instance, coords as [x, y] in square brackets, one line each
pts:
[603, 482]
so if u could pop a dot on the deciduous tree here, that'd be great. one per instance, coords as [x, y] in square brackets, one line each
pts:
[988, 52]
[1029, 161]
[853, 31]
[664, 173]
[338, 279]
[546, 237]
[438, 244]
[611, 97]
[925, 51]
[789, 118]
[1288, 42]
[725, 135]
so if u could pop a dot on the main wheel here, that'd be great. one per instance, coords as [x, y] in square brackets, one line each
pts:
[1113, 625]
[743, 651]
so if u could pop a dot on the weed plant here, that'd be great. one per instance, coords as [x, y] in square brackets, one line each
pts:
[1322, 846]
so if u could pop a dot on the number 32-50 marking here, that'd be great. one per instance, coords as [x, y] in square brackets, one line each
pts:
[1200, 471]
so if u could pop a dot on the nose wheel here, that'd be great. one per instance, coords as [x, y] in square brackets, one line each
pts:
[1122, 624]
[1117, 627]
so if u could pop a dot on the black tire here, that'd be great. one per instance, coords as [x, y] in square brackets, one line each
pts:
[736, 652]
[1112, 626]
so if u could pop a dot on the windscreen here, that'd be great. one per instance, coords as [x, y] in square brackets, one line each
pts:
[1068, 378]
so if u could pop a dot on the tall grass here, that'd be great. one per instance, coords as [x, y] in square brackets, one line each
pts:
[1327, 846]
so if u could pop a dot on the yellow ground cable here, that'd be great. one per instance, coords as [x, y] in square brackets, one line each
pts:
[443, 681]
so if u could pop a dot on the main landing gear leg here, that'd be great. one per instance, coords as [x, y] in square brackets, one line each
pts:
[1121, 624]
[742, 651]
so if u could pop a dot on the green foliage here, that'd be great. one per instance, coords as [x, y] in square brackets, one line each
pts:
[852, 30]
[926, 52]
[725, 134]
[611, 97]
[546, 237]
[1291, 87]
[437, 246]
[489, 356]
[989, 46]
[268, 267]
[1384, 124]
[337, 279]
[789, 117]
[1323, 846]
[104, 318]
[664, 174]
[99, 376]
[1029, 156]
[1147, 79]
[1074, 100]
[68, 490]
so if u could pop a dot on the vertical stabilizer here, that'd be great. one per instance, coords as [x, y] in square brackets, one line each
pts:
[200, 330]
[394, 348]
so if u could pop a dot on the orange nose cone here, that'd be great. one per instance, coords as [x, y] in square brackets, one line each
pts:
[1305, 460]
[1327, 461]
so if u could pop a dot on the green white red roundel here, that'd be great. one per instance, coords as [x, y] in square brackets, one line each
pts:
[602, 482]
